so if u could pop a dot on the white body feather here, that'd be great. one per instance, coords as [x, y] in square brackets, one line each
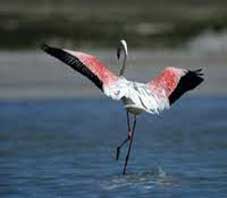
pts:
[136, 97]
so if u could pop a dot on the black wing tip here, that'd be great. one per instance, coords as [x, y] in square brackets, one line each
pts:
[44, 47]
[197, 75]
[73, 62]
[198, 71]
[50, 50]
[189, 81]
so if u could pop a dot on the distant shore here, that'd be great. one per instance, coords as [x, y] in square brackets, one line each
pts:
[157, 24]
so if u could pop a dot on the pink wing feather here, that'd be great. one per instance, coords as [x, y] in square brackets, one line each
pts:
[167, 81]
[96, 66]
[174, 82]
[85, 64]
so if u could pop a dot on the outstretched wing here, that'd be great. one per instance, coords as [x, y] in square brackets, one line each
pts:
[174, 82]
[85, 64]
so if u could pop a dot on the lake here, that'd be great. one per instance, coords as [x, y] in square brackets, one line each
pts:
[66, 148]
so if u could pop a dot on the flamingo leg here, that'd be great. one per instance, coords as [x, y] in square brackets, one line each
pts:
[130, 146]
[126, 139]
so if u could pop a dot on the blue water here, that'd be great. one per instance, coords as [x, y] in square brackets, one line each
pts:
[65, 148]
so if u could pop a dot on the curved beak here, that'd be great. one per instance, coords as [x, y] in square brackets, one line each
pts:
[122, 46]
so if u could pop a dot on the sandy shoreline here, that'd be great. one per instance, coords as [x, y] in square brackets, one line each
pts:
[34, 75]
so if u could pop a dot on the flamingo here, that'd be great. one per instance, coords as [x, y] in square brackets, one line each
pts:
[152, 97]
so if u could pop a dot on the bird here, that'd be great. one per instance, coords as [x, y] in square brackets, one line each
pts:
[153, 97]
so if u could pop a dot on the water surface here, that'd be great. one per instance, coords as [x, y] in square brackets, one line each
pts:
[65, 148]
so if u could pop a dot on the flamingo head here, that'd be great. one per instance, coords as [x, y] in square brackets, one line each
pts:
[122, 46]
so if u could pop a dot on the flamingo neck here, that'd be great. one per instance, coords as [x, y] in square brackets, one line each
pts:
[123, 65]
